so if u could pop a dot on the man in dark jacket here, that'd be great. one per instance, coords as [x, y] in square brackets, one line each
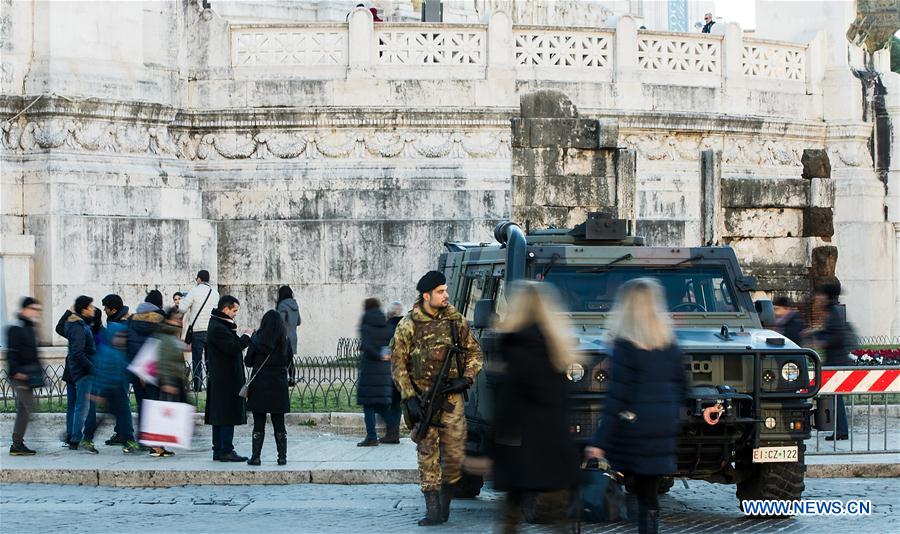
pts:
[225, 378]
[375, 390]
[833, 339]
[117, 313]
[144, 323]
[788, 320]
[25, 370]
[79, 360]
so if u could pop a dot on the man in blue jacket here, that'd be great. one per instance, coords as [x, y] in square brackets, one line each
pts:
[80, 362]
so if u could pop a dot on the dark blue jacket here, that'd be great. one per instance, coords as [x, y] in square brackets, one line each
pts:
[375, 383]
[80, 358]
[110, 363]
[143, 324]
[652, 385]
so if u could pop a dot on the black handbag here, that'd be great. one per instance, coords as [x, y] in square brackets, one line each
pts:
[601, 496]
[189, 335]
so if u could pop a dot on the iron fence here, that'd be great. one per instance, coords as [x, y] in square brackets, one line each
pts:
[318, 384]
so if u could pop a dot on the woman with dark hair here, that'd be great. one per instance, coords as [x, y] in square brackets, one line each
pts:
[269, 356]
[375, 391]
[289, 310]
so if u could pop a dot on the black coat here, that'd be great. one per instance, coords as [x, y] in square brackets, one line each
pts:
[835, 337]
[80, 356]
[652, 385]
[225, 372]
[532, 449]
[793, 327]
[21, 352]
[269, 389]
[375, 384]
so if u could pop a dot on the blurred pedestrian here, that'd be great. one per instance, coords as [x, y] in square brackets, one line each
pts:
[289, 310]
[176, 298]
[638, 432]
[24, 369]
[111, 378]
[71, 392]
[532, 450]
[395, 313]
[269, 357]
[117, 313]
[418, 349]
[80, 362]
[170, 369]
[197, 306]
[835, 339]
[788, 321]
[375, 389]
[145, 321]
[224, 406]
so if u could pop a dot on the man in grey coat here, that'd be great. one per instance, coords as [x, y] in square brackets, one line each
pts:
[289, 310]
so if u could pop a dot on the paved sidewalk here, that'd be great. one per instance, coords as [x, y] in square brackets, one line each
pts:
[325, 454]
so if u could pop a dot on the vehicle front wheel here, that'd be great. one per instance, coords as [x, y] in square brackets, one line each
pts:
[773, 482]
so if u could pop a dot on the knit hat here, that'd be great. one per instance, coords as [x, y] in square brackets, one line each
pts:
[430, 281]
[155, 297]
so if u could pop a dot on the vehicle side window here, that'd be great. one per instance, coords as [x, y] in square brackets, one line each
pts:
[478, 286]
[500, 298]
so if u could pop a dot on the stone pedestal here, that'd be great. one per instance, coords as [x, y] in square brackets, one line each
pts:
[16, 275]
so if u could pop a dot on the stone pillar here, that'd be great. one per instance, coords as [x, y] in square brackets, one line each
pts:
[710, 197]
[361, 35]
[16, 252]
[628, 83]
[733, 79]
[891, 82]
[563, 165]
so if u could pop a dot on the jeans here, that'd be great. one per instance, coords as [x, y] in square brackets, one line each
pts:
[83, 405]
[223, 438]
[71, 395]
[117, 405]
[389, 412]
[24, 409]
[198, 344]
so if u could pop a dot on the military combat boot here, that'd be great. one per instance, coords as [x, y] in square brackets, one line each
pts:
[258, 438]
[432, 510]
[446, 496]
[281, 445]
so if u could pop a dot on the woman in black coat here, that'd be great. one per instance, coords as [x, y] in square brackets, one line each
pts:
[638, 432]
[271, 357]
[375, 389]
[532, 450]
[225, 378]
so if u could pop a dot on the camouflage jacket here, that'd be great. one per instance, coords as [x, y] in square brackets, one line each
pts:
[420, 344]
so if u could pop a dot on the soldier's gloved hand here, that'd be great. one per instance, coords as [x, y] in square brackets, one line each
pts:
[414, 408]
[457, 385]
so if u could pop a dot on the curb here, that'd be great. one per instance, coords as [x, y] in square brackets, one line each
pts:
[151, 478]
[884, 470]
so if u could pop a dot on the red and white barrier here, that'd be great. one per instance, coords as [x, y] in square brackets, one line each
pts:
[860, 381]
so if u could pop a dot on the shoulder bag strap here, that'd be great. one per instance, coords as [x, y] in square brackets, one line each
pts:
[260, 368]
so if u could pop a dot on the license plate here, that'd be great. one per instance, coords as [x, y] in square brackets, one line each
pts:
[774, 454]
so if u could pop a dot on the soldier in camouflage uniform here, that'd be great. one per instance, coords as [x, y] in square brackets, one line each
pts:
[418, 350]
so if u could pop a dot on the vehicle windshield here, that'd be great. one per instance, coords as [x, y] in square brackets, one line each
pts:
[687, 290]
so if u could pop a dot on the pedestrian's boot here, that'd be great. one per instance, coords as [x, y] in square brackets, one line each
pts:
[446, 496]
[258, 438]
[391, 436]
[432, 510]
[281, 445]
[19, 449]
[648, 521]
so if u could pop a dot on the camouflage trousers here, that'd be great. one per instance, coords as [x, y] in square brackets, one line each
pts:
[443, 449]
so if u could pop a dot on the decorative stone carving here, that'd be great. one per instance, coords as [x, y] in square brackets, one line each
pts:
[778, 62]
[850, 154]
[679, 54]
[536, 48]
[431, 47]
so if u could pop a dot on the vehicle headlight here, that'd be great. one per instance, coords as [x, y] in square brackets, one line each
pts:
[790, 371]
[575, 372]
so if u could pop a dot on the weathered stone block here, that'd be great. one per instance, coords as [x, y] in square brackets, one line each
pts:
[818, 222]
[770, 251]
[767, 222]
[823, 261]
[564, 191]
[537, 162]
[547, 103]
[563, 133]
[765, 193]
[578, 162]
[815, 163]
[821, 192]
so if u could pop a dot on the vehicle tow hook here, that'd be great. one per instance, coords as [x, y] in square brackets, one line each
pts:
[712, 414]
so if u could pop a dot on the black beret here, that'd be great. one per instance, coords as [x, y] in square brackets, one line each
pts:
[431, 280]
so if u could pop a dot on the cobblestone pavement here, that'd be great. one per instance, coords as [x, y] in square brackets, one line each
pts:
[385, 508]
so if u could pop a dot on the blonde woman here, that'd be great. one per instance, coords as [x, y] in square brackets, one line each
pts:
[638, 432]
[532, 450]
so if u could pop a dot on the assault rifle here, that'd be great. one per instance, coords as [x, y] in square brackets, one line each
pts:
[434, 400]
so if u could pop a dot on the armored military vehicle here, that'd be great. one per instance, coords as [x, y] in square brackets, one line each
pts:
[749, 404]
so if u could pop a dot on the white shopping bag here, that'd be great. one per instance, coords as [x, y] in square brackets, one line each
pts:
[144, 365]
[166, 424]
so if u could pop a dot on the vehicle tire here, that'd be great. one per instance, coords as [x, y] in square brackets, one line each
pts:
[776, 481]
[468, 487]
[665, 484]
